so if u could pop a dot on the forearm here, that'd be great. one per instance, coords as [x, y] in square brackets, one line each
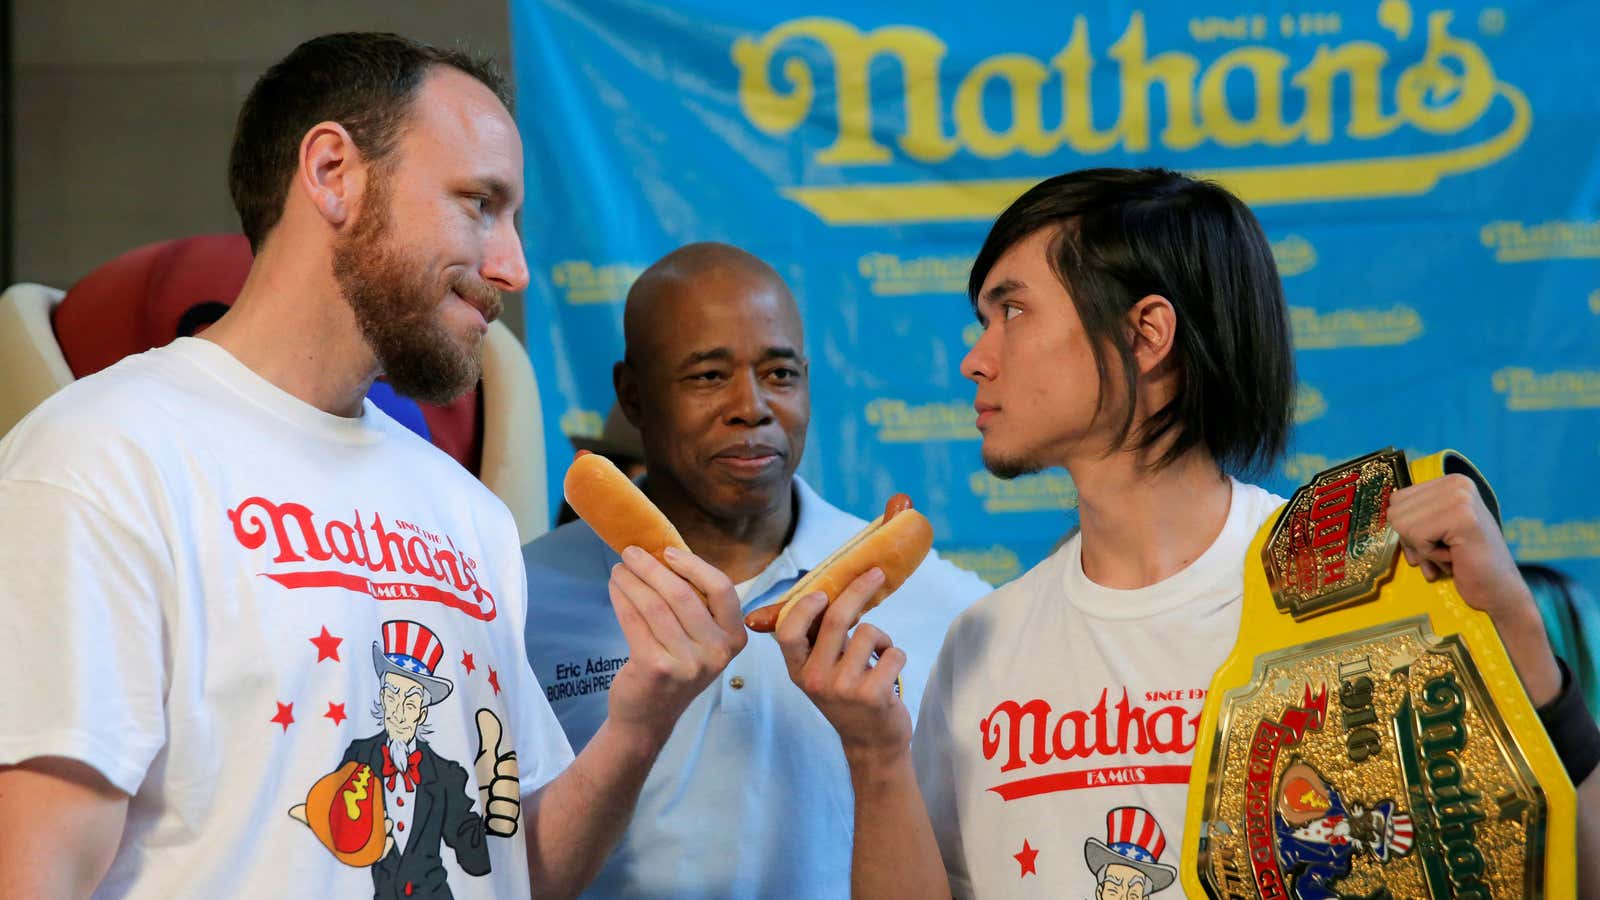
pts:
[576, 820]
[1529, 648]
[895, 854]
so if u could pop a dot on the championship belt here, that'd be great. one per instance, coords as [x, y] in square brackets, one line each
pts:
[1368, 736]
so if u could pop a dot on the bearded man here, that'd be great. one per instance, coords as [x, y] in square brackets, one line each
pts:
[197, 538]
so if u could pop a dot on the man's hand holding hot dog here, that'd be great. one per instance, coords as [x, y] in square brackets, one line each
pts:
[850, 676]
[683, 627]
[851, 679]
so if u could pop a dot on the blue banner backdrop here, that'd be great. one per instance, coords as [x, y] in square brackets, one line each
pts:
[1427, 174]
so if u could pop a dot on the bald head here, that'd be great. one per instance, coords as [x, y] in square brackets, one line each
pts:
[716, 381]
[696, 275]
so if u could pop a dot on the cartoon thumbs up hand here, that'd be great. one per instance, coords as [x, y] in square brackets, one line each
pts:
[498, 787]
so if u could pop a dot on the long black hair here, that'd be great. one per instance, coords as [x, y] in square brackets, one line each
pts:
[1125, 234]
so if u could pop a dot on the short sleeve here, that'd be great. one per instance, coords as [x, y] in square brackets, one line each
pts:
[931, 752]
[81, 621]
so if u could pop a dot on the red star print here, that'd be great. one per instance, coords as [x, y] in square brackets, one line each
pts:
[285, 716]
[1025, 860]
[327, 645]
[466, 662]
[494, 679]
[336, 713]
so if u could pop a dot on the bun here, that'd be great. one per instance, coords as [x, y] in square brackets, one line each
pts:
[616, 509]
[345, 812]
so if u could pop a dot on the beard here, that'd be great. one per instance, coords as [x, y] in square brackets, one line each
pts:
[1007, 468]
[399, 754]
[396, 304]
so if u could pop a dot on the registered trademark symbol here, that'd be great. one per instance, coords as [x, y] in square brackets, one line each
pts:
[1492, 21]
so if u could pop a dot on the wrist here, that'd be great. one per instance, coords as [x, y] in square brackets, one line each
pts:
[637, 742]
[1572, 729]
[871, 764]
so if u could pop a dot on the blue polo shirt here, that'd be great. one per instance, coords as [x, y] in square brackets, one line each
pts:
[751, 796]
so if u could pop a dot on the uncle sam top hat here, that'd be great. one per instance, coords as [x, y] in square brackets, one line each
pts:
[410, 649]
[1133, 838]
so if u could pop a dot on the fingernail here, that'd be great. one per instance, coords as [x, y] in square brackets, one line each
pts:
[816, 597]
[876, 574]
[633, 553]
[672, 553]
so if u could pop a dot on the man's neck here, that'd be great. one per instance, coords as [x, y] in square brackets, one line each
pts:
[1141, 526]
[291, 326]
[742, 546]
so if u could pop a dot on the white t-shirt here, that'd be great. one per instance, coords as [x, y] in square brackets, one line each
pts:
[216, 594]
[1059, 723]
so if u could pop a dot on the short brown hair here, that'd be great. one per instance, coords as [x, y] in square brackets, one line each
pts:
[365, 81]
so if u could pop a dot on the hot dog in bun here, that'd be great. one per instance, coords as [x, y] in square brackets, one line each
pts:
[895, 542]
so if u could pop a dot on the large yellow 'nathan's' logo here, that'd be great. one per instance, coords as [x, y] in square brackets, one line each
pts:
[1450, 89]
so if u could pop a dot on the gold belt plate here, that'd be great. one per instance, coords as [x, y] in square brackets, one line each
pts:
[1368, 736]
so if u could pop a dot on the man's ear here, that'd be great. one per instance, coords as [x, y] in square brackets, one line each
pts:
[626, 383]
[332, 172]
[1153, 325]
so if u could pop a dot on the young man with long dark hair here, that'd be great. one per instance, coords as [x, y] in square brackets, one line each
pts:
[1135, 334]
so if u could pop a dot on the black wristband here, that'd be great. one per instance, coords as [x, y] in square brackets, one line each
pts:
[1571, 728]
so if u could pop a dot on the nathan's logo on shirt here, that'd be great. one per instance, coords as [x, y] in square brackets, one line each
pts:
[583, 282]
[1021, 735]
[1514, 242]
[1526, 390]
[400, 548]
[899, 422]
[893, 276]
[1313, 330]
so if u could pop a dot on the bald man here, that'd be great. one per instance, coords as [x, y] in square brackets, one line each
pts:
[751, 796]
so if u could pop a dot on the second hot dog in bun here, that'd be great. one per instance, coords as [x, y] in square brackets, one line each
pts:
[895, 542]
